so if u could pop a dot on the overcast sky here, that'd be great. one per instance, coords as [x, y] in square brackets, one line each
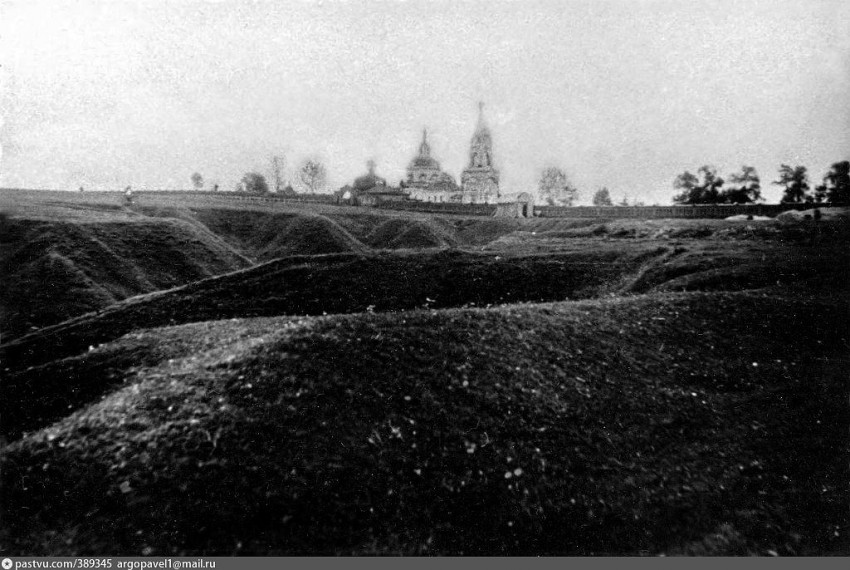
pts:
[625, 94]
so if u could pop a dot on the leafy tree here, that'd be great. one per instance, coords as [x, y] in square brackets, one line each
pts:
[703, 189]
[711, 185]
[254, 183]
[602, 197]
[624, 201]
[555, 188]
[820, 194]
[689, 185]
[746, 187]
[197, 181]
[796, 183]
[837, 183]
[313, 175]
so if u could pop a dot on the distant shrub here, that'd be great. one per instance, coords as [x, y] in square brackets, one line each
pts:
[254, 183]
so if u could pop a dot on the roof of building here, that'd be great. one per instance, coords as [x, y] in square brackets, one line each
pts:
[384, 190]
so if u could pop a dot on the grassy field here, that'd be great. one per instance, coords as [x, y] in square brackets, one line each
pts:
[339, 381]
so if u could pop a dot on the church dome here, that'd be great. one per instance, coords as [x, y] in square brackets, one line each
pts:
[370, 180]
[425, 162]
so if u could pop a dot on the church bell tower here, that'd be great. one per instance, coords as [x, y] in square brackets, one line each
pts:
[480, 179]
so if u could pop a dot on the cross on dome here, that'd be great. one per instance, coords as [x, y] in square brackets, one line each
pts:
[424, 148]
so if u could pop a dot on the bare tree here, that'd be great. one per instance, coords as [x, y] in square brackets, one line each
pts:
[278, 165]
[313, 175]
[555, 188]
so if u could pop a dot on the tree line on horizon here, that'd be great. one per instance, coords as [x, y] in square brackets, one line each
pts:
[312, 178]
[556, 189]
[707, 187]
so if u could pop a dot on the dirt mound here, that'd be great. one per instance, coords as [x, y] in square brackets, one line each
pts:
[54, 270]
[747, 218]
[400, 233]
[479, 231]
[264, 235]
[823, 268]
[310, 235]
[652, 424]
[345, 283]
[826, 214]
[393, 281]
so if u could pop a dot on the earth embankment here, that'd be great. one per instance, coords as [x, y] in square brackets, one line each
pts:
[703, 423]
[56, 270]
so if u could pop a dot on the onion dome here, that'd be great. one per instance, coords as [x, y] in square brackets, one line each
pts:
[370, 180]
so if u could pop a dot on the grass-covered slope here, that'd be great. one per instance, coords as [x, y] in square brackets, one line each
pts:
[350, 283]
[56, 270]
[695, 422]
[63, 254]
[345, 283]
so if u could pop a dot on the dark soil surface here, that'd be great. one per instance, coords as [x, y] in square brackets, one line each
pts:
[55, 270]
[71, 253]
[329, 380]
[685, 423]
[351, 283]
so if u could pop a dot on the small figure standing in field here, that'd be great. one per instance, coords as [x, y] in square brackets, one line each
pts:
[128, 195]
[81, 188]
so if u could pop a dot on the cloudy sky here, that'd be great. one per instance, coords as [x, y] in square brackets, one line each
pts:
[621, 93]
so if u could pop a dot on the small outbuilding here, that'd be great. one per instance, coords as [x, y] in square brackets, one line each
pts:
[519, 205]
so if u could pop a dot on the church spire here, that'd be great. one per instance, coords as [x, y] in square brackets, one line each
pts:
[424, 147]
[481, 128]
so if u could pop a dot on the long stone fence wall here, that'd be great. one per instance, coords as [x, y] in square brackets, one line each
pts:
[647, 212]
[640, 212]
[241, 196]
[440, 207]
